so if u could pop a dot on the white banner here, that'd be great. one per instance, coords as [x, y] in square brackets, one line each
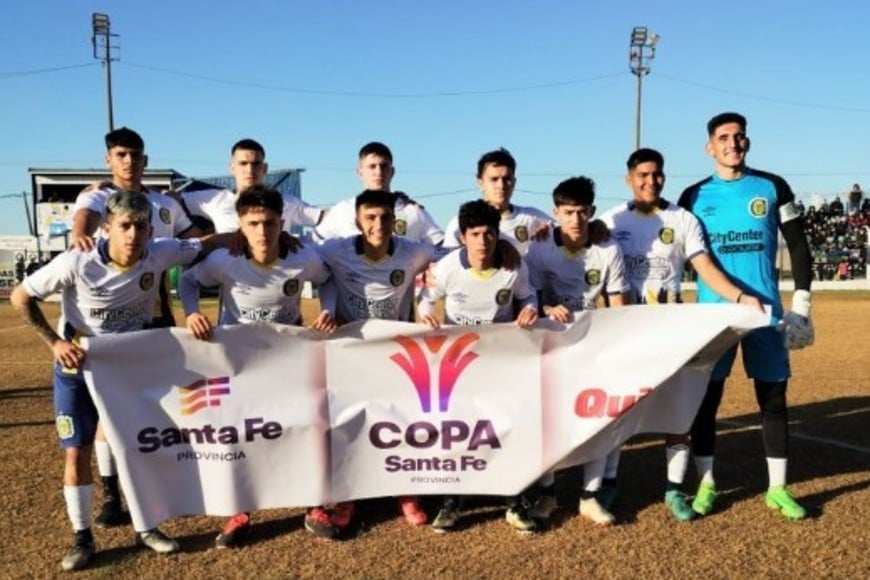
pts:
[273, 416]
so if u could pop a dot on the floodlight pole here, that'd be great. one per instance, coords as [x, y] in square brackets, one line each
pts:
[102, 41]
[641, 52]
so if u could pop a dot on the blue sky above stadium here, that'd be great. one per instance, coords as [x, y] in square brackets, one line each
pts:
[440, 83]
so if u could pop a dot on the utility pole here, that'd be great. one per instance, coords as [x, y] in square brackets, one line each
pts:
[642, 50]
[102, 41]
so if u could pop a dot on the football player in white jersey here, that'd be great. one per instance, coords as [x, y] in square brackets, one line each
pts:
[109, 289]
[657, 239]
[571, 273]
[264, 284]
[496, 178]
[248, 167]
[372, 275]
[477, 290]
[376, 171]
[125, 157]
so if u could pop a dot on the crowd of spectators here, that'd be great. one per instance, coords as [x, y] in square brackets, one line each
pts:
[837, 233]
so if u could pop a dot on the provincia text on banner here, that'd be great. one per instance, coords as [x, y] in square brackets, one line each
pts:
[267, 416]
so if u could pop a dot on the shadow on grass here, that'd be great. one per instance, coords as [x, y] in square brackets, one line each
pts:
[26, 393]
[828, 438]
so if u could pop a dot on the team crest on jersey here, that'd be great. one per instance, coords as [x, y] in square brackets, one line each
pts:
[521, 233]
[164, 215]
[65, 426]
[758, 207]
[503, 296]
[666, 235]
[400, 227]
[593, 277]
[397, 277]
[146, 281]
[291, 287]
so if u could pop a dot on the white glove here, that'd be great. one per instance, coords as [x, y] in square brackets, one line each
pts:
[798, 324]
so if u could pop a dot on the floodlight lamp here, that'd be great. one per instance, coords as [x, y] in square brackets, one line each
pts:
[100, 21]
[653, 40]
[638, 36]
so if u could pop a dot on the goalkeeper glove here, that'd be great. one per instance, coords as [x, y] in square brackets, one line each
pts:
[798, 324]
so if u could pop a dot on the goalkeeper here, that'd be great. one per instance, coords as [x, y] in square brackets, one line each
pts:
[742, 211]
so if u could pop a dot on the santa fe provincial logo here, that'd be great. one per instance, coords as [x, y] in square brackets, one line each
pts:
[203, 393]
[457, 356]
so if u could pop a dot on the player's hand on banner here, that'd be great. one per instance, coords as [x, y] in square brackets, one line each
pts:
[799, 330]
[199, 325]
[82, 243]
[527, 317]
[69, 355]
[598, 232]
[430, 321]
[324, 322]
[750, 300]
[290, 242]
[510, 257]
[558, 313]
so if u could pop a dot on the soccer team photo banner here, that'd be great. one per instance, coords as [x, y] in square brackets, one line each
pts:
[266, 416]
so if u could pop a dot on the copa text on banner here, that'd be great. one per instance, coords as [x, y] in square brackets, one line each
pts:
[267, 416]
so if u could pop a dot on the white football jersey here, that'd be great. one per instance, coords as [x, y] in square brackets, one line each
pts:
[252, 293]
[517, 226]
[367, 289]
[219, 206]
[99, 297]
[412, 222]
[575, 279]
[167, 216]
[472, 297]
[655, 248]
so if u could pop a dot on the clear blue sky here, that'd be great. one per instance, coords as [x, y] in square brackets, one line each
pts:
[440, 83]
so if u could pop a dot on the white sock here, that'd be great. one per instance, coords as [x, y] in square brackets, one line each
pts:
[78, 505]
[612, 466]
[678, 461]
[105, 460]
[704, 465]
[593, 472]
[776, 468]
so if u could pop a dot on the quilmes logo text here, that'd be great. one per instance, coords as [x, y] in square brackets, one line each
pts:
[455, 356]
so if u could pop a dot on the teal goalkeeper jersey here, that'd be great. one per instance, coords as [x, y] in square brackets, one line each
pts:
[741, 220]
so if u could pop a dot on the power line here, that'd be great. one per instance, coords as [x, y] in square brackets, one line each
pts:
[39, 71]
[763, 98]
[345, 93]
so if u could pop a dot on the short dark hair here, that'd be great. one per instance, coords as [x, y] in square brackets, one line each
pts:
[645, 155]
[124, 137]
[376, 148]
[248, 145]
[376, 198]
[500, 158]
[724, 118]
[473, 214]
[575, 191]
[259, 197]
